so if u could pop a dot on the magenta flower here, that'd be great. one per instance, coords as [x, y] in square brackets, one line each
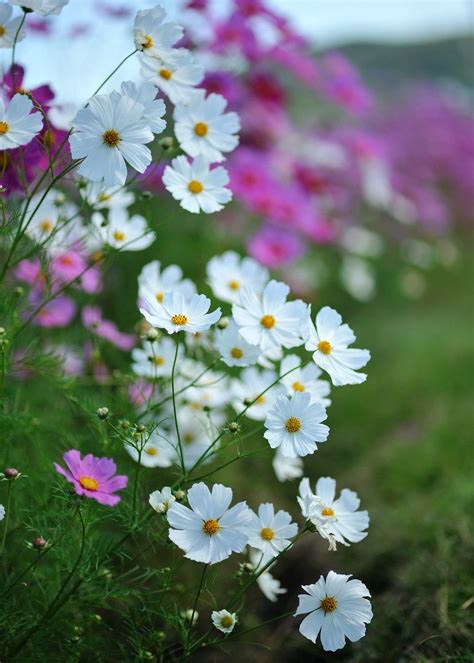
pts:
[93, 477]
[92, 319]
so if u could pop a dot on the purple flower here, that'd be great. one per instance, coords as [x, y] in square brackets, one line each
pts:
[274, 247]
[93, 477]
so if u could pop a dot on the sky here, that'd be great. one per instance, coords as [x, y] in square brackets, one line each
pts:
[77, 66]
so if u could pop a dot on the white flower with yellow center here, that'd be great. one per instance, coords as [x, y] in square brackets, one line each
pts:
[155, 359]
[43, 7]
[203, 128]
[196, 185]
[287, 469]
[145, 94]
[228, 274]
[155, 452]
[337, 517]
[294, 425]
[123, 232]
[209, 531]
[100, 197]
[268, 320]
[55, 224]
[161, 500]
[337, 607]
[175, 77]
[304, 379]
[156, 282]
[270, 532]
[269, 586]
[224, 620]
[233, 349]
[111, 132]
[179, 313]
[153, 36]
[18, 125]
[9, 26]
[256, 391]
[329, 340]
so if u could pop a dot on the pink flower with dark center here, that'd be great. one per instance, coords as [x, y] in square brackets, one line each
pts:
[93, 477]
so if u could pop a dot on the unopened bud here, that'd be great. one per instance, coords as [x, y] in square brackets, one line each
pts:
[124, 424]
[102, 412]
[146, 195]
[152, 334]
[39, 543]
[10, 473]
[233, 427]
[2, 331]
[141, 428]
[19, 291]
[167, 143]
[180, 495]
[223, 323]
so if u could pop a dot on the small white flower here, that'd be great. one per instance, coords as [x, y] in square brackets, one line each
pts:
[304, 379]
[178, 313]
[145, 94]
[153, 36]
[224, 620]
[250, 387]
[99, 197]
[234, 350]
[203, 128]
[294, 425]
[176, 77]
[196, 185]
[54, 223]
[190, 615]
[270, 532]
[18, 125]
[111, 132]
[229, 273]
[268, 320]
[196, 434]
[329, 341]
[209, 531]
[123, 232]
[338, 609]
[155, 359]
[338, 518]
[287, 469]
[269, 586]
[9, 26]
[156, 452]
[2, 512]
[43, 7]
[155, 282]
[161, 500]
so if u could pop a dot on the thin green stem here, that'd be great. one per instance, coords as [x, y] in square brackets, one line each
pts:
[191, 621]
[175, 413]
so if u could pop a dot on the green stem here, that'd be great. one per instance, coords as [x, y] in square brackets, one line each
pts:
[175, 413]
[188, 637]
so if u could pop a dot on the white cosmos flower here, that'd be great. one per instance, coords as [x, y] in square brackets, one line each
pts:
[179, 313]
[123, 232]
[111, 132]
[224, 620]
[43, 7]
[176, 77]
[304, 379]
[209, 531]
[268, 320]
[155, 282]
[2, 512]
[196, 185]
[329, 341]
[9, 26]
[156, 452]
[294, 425]
[145, 94]
[285, 468]
[270, 532]
[203, 128]
[153, 36]
[155, 359]
[196, 433]
[336, 607]
[161, 500]
[18, 125]
[229, 273]
[250, 386]
[100, 197]
[53, 224]
[233, 349]
[344, 522]
[269, 586]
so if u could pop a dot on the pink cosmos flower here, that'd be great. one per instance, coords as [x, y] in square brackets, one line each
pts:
[274, 247]
[57, 313]
[93, 477]
[93, 320]
[140, 392]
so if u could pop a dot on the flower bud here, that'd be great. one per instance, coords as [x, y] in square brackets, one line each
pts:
[233, 427]
[141, 428]
[180, 495]
[2, 331]
[124, 424]
[39, 543]
[19, 291]
[152, 334]
[10, 473]
[223, 323]
[103, 412]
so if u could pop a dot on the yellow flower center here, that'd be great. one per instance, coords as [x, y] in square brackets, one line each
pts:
[151, 451]
[234, 285]
[195, 187]
[119, 235]
[227, 621]
[236, 353]
[327, 511]
[111, 138]
[267, 534]
[158, 361]
[159, 297]
[297, 386]
[166, 74]
[103, 197]
[2, 30]
[201, 129]
[260, 400]
[325, 347]
[329, 604]
[293, 425]
[3, 128]
[188, 438]
[147, 42]
[267, 321]
[46, 225]
[179, 319]
[210, 527]
[88, 483]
